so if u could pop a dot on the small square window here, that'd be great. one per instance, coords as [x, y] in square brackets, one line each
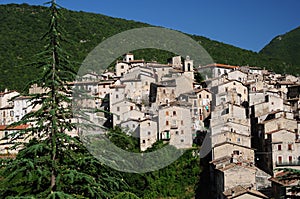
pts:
[279, 147]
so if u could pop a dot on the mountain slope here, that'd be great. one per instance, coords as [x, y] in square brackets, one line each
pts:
[22, 27]
[286, 47]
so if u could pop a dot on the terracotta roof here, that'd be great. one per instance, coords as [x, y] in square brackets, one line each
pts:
[19, 127]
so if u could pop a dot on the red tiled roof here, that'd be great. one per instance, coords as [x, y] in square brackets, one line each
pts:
[19, 127]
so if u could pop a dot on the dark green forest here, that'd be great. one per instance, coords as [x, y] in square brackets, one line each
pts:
[285, 47]
[22, 29]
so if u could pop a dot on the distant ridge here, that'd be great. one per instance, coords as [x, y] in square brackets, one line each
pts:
[23, 25]
[286, 47]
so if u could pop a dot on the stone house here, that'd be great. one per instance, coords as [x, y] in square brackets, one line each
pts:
[4, 131]
[216, 70]
[128, 62]
[175, 124]
[22, 106]
[229, 148]
[138, 84]
[7, 107]
[238, 93]
[143, 128]
[118, 109]
[237, 75]
[283, 146]
[200, 100]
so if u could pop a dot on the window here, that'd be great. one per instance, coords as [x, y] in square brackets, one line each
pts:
[146, 83]
[173, 92]
[5, 134]
[182, 132]
[290, 147]
[11, 113]
[118, 108]
[167, 113]
[279, 147]
[149, 133]
[104, 86]
[236, 152]
[181, 122]
[164, 91]
[174, 113]
[195, 112]
[182, 140]
[279, 159]
[207, 96]
[117, 96]
[118, 117]
[200, 111]
[122, 66]
[144, 141]
[167, 123]
[238, 140]
[290, 159]
[176, 132]
[131, 108]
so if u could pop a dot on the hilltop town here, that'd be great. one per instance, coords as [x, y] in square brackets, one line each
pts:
[250, 114]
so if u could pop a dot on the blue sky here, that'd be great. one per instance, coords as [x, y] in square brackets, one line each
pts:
[249, 24]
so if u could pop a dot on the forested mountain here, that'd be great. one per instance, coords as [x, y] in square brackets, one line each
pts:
[23, 26]
[287, 48]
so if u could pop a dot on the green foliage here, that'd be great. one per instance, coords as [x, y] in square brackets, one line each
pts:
[286, 47]
[177, 180]
[198, 77]
[25, 25]
[123, 140]
[126, 195]
[54, 164]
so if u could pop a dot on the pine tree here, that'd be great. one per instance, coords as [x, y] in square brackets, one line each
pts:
[53, 164]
